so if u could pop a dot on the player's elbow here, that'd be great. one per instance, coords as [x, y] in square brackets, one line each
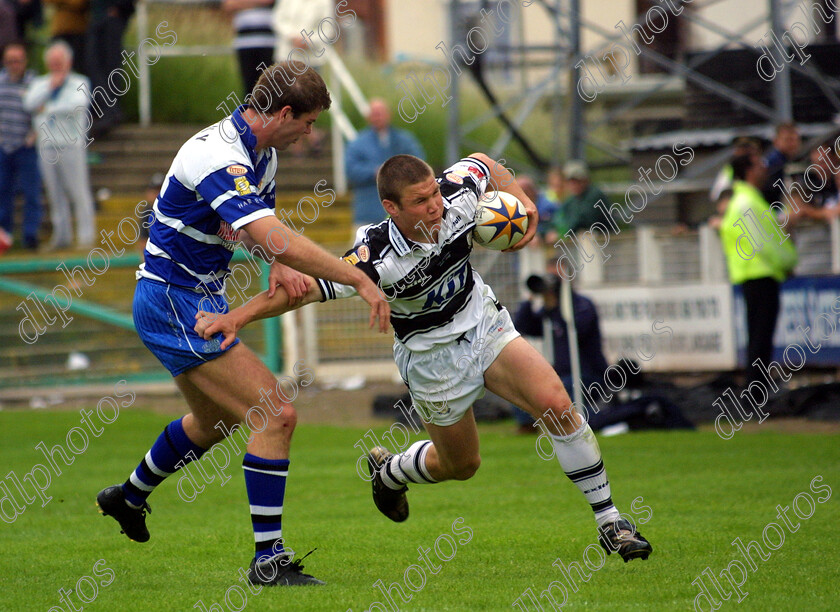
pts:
[483, 157]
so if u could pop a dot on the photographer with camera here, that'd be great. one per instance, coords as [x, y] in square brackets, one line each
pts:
[542, 312]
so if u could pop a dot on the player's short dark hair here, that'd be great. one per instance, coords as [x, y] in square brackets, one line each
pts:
[292, 84]
[399, 172]
[741, 165]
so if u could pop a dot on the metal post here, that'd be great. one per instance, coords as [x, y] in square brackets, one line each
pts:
[453, 136]
[272, 332]
[336, 139]
[144, 94]
[650, 256]
[556, 90]
[567, 310]
[781, 83]
[576, 134]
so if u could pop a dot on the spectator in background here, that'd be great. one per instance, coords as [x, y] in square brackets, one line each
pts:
[367, 153]
[108, 20]
[722, 185]
[254, 40]
[721, 189]
[70, 23]
[529, 320]
[757, 263]
[549, 200]
[786, 146]
[578, 210]
[292, 16]
[57, 99]
[532, 257]
[819, 206]
[289, 18]
[18, 158]
[823, 203]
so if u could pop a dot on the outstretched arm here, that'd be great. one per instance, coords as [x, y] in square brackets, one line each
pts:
[305, 256]
[261, 306]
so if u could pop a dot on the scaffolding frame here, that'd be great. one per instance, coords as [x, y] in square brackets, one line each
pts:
[568, 57]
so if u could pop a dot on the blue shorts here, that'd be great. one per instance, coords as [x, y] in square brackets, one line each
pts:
[165, 316]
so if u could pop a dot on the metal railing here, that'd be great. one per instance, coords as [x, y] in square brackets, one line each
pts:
[270, 334]
[340, 80]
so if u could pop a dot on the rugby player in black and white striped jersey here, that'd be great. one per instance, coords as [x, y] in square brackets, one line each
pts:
[453, 339]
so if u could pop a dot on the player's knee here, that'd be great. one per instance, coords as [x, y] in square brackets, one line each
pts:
[555, 400]
[466, 469]
[268, 423]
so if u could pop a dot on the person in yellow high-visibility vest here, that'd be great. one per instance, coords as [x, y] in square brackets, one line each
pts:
[759, 255]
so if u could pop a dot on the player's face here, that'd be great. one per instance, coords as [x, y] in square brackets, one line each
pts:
[420, 212]
[287, 129]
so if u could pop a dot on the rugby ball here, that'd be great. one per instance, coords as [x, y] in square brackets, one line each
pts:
[500, 221]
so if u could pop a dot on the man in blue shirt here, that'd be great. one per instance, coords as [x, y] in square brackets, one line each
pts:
[367, 153]
[18, 157]
[529, 322]
[219, 189]
[786, 145]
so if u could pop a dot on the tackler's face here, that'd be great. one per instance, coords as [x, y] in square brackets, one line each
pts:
[420, 210]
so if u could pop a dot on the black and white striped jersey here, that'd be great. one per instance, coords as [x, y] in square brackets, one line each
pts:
[434, 293]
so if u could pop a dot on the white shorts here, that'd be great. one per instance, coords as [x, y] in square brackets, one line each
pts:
[446, 380]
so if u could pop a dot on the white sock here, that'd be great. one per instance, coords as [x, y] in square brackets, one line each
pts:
[580, 458]
[408, 467]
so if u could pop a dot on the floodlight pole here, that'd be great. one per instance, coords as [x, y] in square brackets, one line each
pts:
[576, 134]
[781, 82]
[453, 138]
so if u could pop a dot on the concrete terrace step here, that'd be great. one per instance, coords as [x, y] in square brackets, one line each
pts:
[125, 159]
[116, 352]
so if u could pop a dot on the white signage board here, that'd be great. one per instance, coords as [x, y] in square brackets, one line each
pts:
[677, 328]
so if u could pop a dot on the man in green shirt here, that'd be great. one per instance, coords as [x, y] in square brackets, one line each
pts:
[578, 210]
[759, 256]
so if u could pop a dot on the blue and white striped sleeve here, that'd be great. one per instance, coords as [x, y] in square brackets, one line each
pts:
[231, 191]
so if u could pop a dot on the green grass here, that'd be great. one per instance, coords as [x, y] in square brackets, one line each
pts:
[703, 492]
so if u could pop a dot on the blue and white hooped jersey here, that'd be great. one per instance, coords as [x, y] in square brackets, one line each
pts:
[435, 294]
[217, 184]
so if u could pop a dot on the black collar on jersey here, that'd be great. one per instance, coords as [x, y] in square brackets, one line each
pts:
[401, 244]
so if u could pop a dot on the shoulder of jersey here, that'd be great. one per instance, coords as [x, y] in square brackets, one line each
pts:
[208, 146]
[377, 239]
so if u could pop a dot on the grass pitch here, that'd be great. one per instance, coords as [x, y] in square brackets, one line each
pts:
[698, 494]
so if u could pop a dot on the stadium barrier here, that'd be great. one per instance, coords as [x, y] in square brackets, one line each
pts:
[653, 273]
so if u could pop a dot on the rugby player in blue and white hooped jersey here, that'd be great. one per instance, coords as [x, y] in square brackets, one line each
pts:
[219, 189]
[453, 339]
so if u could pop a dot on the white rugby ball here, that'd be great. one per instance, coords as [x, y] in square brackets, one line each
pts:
[500, 221]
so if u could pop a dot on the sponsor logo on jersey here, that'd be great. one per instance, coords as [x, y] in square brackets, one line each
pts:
[228, 235]
[363, 252]
[352, 259]
[243, 187]
[454, 178]
[476, 172]
[237, 170]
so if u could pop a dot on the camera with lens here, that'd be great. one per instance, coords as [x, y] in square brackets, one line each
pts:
[542, 285]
